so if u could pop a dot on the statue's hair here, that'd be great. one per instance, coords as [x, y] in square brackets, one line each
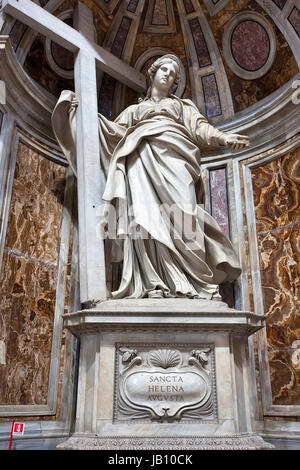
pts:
[168, 58]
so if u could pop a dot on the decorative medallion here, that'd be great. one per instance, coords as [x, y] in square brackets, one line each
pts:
[249, 45]
[165, 383]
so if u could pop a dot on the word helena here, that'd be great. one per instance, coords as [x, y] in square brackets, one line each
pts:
[166, 389]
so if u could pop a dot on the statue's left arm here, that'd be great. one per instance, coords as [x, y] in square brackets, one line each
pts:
[207, 135]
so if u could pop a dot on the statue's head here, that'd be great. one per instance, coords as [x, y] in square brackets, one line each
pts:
[165, 59]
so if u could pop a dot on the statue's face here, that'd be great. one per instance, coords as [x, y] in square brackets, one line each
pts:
[165, 75]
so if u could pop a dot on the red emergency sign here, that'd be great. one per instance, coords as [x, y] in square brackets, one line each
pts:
[18, 428]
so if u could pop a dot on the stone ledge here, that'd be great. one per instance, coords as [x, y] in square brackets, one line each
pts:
[153, 314]
[216, 442]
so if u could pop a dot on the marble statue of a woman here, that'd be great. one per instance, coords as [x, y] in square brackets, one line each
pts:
[171, 247]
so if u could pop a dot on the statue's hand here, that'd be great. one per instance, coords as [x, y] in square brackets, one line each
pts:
[74, 104]
[237, 142]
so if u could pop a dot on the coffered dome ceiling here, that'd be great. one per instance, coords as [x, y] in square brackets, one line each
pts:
[234, 53]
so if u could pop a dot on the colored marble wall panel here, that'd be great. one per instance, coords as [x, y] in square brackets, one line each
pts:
[106, 95]
[250, 45]
[218, 198]
[276, 188]
[132, 6]
[280, 3]
[200, 43]
[189, 7]
[120, 39]
[211, 96]
[219, 210]
[28, 278]
[294, 19]
[160, 14]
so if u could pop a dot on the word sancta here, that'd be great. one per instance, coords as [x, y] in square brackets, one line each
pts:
[165, 378]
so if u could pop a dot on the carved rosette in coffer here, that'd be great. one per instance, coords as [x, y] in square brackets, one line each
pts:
[165, 383]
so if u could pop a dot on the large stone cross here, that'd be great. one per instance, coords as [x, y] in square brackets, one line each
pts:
[90, 179]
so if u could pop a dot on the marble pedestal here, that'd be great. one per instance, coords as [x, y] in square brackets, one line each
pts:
[163, 374]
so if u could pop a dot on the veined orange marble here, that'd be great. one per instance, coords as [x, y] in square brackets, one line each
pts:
[28, 278]
[276, 187]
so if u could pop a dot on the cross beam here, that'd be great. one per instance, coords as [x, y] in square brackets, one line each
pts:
[55, 29]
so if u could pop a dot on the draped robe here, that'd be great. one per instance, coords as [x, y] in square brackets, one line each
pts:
[154, 197]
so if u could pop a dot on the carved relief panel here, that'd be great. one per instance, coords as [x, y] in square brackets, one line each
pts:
[165, 383]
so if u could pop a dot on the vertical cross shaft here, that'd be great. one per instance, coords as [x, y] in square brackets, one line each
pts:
[90, 178]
